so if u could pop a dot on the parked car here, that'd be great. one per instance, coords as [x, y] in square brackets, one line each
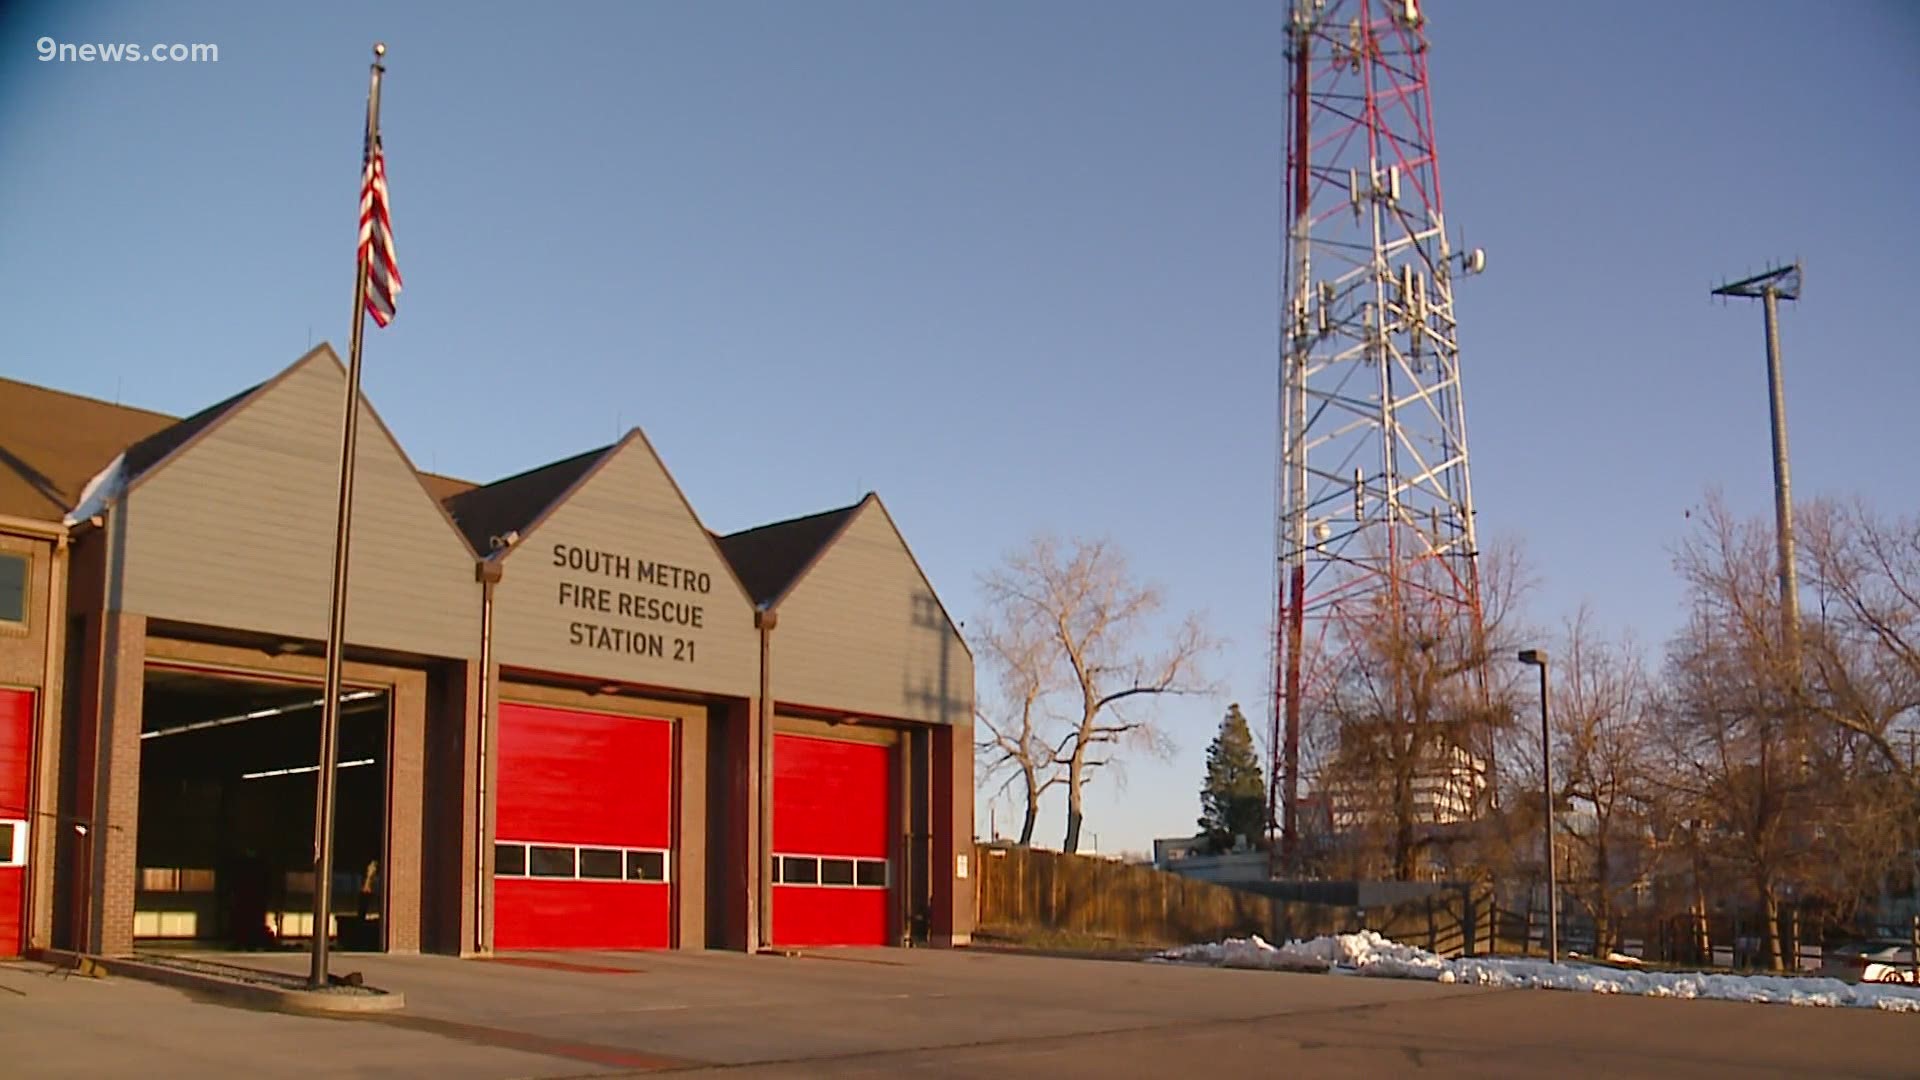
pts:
[1881, 960]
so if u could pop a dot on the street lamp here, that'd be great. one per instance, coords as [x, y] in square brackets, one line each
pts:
[1538, 658]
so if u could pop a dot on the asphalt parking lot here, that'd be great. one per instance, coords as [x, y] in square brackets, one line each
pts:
[928, 1013]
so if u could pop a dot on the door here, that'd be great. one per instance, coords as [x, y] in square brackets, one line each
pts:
[584, 830]
[832, 831]
[16, 769]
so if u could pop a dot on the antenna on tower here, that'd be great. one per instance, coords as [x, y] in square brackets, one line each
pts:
[1372, 411]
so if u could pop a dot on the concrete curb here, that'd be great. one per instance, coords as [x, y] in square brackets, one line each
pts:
[280, 999]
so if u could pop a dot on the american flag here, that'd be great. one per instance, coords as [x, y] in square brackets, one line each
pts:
[376, 240]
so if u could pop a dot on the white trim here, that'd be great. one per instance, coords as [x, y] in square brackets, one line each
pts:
[666, 862]
[17, 856]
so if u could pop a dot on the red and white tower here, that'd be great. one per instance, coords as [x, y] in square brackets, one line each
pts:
[1375, 511]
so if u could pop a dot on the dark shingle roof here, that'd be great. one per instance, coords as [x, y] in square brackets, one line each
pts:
[151, 450]
[769, 558]
[511, 505]
[52, 443]
[442, 488]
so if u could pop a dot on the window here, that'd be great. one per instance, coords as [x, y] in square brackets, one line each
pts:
[509, 860]
[13, 843]
[830, 871]
[513, 859]
[646, 866]
[13, 588]
[601, 863]
[550, 861]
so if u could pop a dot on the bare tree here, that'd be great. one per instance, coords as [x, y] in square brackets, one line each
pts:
[1600, 721]
[1738, 744]
[1862, 686]
[1408, 697]
[1081, 598]
[1787, 743]
[1863, 652]
[1020, 735]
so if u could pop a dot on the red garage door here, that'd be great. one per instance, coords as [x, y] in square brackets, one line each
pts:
[584, 831]
[16, 765]
[831, 833]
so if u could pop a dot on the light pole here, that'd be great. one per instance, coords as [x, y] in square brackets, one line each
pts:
[1780, 283]
[1538, 658]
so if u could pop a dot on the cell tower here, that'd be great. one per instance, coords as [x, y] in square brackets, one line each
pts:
[1375, 511]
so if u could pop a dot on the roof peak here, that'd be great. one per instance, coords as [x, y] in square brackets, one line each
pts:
[770, 558]
[511, 505]
[785, 522]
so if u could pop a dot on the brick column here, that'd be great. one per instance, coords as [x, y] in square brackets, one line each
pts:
[121, 641]
[48, 830]
[732, 825]
[952, 836]
[448, 821]
[407, 713]
[691, 848]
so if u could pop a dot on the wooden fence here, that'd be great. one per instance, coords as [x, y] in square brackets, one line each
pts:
[1021, 891]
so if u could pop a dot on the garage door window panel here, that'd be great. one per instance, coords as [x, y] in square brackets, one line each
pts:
[550, 862]
[510, 860]
[602, 864]
[13, 843]
[647, 866]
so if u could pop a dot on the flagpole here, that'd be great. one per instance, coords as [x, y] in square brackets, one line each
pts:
[327, 781]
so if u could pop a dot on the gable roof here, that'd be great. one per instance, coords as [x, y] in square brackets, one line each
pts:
[53, 442]
[153, 449]
[512, 505]
[768, 559]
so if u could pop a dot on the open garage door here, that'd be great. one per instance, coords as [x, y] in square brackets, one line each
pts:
[227, 771]
[16, 764]
[832, 826]
[584, 831]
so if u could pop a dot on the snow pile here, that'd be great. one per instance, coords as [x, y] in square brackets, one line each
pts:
[1368, 953]
[1766, 989]
[1253, 952]
[100, 492]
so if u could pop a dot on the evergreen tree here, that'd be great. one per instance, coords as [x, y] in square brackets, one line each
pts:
[1233, 801]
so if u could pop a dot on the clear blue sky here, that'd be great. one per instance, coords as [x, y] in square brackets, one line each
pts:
[1011, 265]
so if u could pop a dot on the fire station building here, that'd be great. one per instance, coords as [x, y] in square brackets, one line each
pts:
[573, 718]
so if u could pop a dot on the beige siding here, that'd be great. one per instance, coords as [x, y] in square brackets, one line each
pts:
[862, 631]
[237, 529]
[629, 513]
